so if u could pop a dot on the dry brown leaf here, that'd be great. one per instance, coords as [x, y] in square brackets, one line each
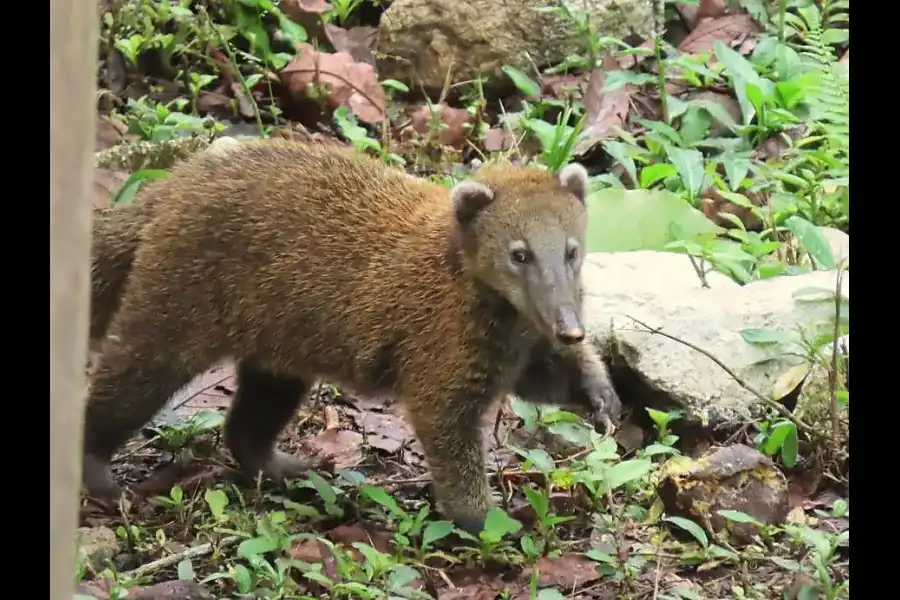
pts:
[628, 61]
[564, 572]
[498, 138]
[713, 204]
[342, 447]
[731, 30]
[106, 182]
[109, 133]
[605, 110]
[297, 9]
[453, 133]
[712, 9]
[357, 41]
[561, 86]
[352, 83]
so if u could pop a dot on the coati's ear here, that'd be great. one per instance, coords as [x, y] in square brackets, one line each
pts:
[574, 178]
[468, 198]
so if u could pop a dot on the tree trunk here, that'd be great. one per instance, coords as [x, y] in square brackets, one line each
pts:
[73, 60]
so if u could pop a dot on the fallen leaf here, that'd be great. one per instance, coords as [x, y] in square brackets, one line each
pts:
[214, 101]
[379, 539]
[211, 390]
[605, 110]
[714, 204]
[498, 138]
[630, 436]
[712, 9]
[350, 83]
[386, 431]
[341, 446]
[357, 41]
[628, 61]
[297, 9]
[106, 182]
[561, 86]
[110, 132]
[563, 572]
[453, 132]
[731, 30]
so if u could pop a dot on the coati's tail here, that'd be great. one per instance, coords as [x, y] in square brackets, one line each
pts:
[116, 236]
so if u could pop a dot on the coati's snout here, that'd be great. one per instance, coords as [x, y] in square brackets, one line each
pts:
[529, 247]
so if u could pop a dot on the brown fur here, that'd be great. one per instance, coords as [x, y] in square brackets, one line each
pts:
[305, 262]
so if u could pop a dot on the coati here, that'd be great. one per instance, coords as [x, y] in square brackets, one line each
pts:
[303, 262]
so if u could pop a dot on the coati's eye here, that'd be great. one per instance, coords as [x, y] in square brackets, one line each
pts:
[571, 254]
[519, 256]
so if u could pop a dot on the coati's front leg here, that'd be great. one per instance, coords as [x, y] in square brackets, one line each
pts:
[573, 377]
[263, 405]
[450, 432]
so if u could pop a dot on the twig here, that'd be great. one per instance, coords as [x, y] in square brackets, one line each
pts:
[176, 558]
[833, 371]
[740, 381]
[701, 274]
[237, 71]
[656, 579]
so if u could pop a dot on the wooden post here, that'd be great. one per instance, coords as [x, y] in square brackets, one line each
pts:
[73, 64]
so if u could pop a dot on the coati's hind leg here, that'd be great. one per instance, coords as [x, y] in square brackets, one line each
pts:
[262, 406]
[130, 384]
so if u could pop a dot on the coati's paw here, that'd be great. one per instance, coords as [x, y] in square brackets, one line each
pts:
[470, 524]
[282, 465]
[607, 407]
[97, 479]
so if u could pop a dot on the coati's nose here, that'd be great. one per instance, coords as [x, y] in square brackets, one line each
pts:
[573, 335]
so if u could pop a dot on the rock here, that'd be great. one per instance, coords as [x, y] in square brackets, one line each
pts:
[172, 590]
[97, 546]
[431, 37]
[662, 290]
[731, 478]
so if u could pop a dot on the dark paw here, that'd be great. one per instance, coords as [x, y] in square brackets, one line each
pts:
[607, 408]
[471, 525]
[97, 479]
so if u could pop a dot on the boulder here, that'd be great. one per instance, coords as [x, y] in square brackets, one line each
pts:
[424, 39]
[663, 291]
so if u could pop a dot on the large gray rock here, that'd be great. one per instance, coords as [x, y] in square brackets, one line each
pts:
[478, 37]
[662, 290]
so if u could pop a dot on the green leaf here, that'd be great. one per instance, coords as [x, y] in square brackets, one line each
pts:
[691, 527]
[762, 336]
[185, 570]
[619, 151]
[689, 163]
[616, 79]
[625, 471]
[550, 594]
[540, 458]
[694, 125]
[125, 194]
[812, 240]
[621, 220]
[217, 500]
[789, 449]
[653, 173]
[401, 576]
[739, 517]
[380, 496]
[736, 168]
[522, 81]
[436, 530]
[498, 524]
[777, 437]
[326, 492]
[258, 545]
[538, 500]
